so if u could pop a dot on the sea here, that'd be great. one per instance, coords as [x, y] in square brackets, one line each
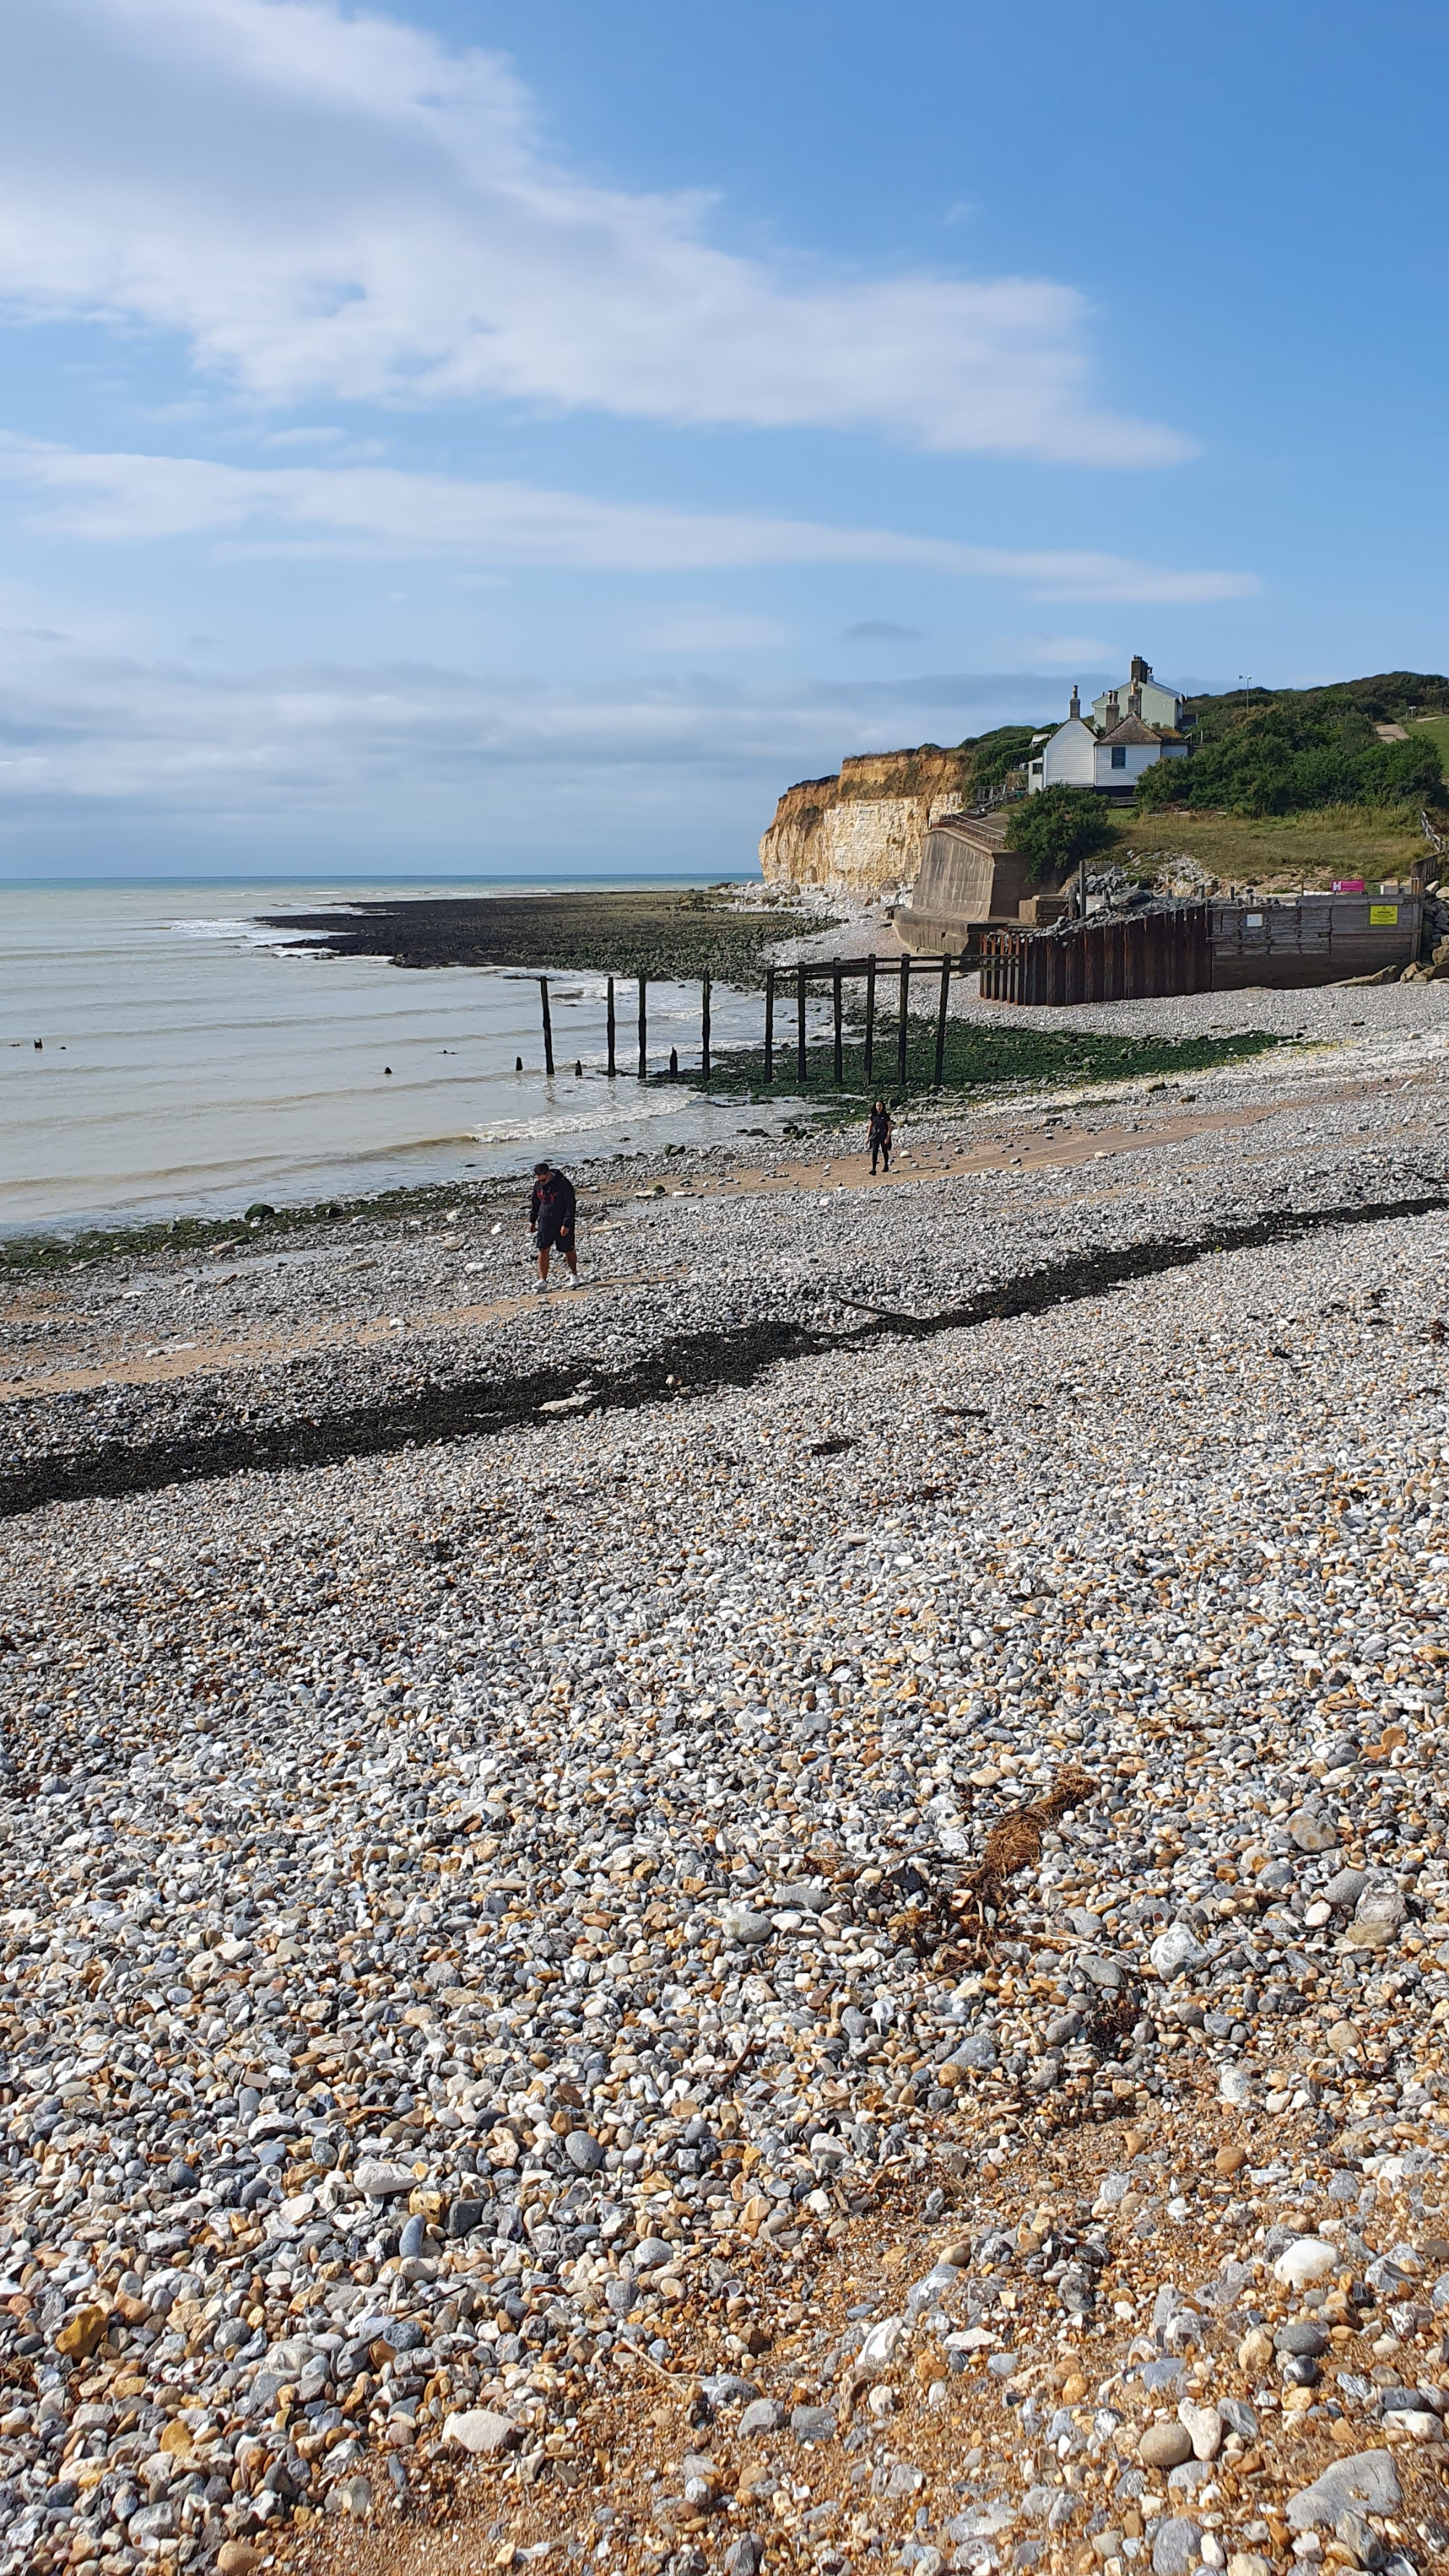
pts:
[163, 1054]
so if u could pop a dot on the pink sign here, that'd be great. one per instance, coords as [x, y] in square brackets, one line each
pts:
[1349, 885]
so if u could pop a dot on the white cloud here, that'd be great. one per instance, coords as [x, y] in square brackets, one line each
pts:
[321, 507]
[420, 756]
[321, 203]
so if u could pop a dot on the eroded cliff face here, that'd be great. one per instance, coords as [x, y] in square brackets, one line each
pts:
[863, 832]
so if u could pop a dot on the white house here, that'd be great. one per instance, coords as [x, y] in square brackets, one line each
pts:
[1108, 750]
[1153, 703]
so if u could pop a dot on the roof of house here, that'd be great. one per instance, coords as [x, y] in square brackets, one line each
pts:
[1131, 729]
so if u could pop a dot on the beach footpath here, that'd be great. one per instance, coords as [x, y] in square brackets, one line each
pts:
[790, 1912]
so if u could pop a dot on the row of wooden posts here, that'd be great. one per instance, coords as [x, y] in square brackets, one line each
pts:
[837, 970]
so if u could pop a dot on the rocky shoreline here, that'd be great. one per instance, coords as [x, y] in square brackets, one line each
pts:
[725, 931]
[839, 1963]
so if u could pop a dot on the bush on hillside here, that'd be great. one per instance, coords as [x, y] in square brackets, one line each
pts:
[1388, 697]
[1058, 829]
[1289, 758]
[995, 755]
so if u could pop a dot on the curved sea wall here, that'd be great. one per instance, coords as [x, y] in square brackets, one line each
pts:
[863, 831]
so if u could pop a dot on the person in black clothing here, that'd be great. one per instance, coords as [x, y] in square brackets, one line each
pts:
[878, 1135]
[551, 1218]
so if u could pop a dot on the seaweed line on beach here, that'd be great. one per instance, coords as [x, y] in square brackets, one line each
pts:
[690, 1365]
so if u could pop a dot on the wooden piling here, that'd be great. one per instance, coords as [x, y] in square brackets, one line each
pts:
[769, 1023]
[609, 1027]
[643, 1030]
[941, 1021]
[547, 1026]
[839, 1047]
[802, 1068]
[704, 1028]
[903, 1026]
[869, 1017]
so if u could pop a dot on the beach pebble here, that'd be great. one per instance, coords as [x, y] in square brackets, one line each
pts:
[813, 2423]
[744, 2556]
[763, 2415]
[481, 2432]
[478, 1945]
[1377, 1918]
[1310, 1832]
[382, 2181]
[1175, 1950]
[1176, 2546]
[1300, 2335]
[1308, 2258]
[1163, 2445]
[1204, 2427]
[1366, 2482]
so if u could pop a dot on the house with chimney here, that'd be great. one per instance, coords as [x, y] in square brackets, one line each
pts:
[1109, 749]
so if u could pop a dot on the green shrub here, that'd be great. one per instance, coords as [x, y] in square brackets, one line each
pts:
[1288, 757]
[1058, 829]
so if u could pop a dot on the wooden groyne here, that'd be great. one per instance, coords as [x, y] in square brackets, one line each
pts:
[798, 980]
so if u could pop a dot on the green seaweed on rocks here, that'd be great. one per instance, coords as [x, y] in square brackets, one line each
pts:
[675, 934]
[978, 1060]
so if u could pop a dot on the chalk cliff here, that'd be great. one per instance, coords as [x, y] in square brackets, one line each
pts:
[863, 832]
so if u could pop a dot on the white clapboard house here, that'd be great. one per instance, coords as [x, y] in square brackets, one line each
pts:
[1109, 749]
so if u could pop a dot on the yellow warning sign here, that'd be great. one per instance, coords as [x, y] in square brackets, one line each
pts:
[1383, 916]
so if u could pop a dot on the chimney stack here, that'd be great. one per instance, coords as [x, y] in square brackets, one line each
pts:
[1112, 713]
[1140, 671]
[1075, 708]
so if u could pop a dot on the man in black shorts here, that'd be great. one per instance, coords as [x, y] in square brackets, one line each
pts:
[551, 1218]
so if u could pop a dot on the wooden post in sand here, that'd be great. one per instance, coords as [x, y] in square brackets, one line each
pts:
[869, 1017]
[941, 1020]
[904, 1025]
[839, 1057]
[609, 1027]
[643, 1030]
[547, 1026]
[802, 1069]
[704, 1028]
[769, 1023]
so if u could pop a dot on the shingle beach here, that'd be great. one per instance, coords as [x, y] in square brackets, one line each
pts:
[790, 1912]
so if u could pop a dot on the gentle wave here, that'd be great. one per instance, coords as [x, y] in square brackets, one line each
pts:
[183, 1068]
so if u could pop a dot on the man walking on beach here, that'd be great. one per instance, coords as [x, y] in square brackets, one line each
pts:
[551, 1218]
[878, 1135]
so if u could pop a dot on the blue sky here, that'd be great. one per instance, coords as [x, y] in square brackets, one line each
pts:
[466, 437]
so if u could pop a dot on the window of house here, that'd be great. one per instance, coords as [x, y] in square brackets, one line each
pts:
[1119, 755]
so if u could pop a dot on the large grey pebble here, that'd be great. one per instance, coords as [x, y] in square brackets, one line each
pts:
[1176, 2546]
[765, 2415]
[1366, 2482]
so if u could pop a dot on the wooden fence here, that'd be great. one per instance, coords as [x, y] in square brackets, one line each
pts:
[1212, 947]
[1134, 958]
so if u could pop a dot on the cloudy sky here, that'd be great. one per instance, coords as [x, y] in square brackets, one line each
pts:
[462, 437]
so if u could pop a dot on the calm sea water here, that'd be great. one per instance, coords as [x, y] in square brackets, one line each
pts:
[191, 1061]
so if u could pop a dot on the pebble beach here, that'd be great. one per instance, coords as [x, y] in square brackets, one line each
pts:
[789, 1911]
